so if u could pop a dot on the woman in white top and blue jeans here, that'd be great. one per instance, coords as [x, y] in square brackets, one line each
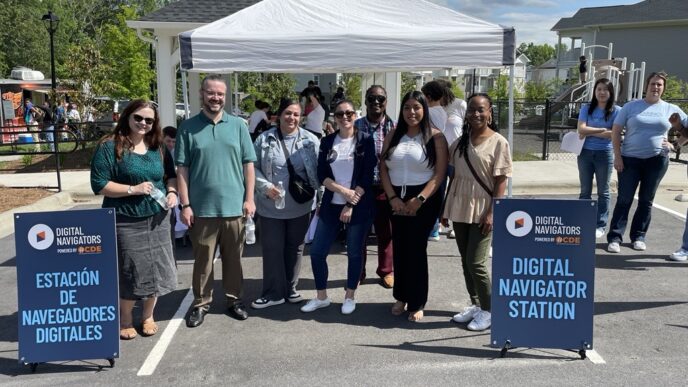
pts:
[345, 167]
[596, 158]
[412, 168]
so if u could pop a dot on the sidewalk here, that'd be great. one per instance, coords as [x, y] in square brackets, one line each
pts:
[530, 178]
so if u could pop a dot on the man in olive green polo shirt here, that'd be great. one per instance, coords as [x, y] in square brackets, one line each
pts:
[215, 156]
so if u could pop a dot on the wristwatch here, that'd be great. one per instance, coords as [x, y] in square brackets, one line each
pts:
[421, 198]
[185, 205]
[130, 190]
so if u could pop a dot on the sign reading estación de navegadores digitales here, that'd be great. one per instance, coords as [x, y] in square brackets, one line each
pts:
[67, 285]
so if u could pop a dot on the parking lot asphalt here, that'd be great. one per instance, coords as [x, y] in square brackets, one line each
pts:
[640, 331]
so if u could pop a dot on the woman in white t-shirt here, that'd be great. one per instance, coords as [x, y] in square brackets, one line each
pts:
[412, 168]
[346, 162]
[258, 122]
[315, 117]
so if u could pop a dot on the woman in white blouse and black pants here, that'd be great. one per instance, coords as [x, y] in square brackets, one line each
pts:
[415, 163]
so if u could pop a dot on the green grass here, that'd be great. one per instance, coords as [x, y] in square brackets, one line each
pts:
[27, 160]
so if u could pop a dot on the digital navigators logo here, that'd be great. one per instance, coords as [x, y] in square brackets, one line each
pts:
[41, 237]
[519, 223]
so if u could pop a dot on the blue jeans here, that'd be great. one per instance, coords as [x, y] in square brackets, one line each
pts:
[684, 245]
[50, 138]
[597, 163]
[644, 172]
[325, 234]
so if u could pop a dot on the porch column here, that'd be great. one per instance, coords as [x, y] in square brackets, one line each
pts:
[167, 81]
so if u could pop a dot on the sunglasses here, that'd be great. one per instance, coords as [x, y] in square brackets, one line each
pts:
[348, 114]
[376, 98]
[138, 118]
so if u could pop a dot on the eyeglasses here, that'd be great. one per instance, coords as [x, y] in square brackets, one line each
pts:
[138, 118]
[348, 114]
[376, 98]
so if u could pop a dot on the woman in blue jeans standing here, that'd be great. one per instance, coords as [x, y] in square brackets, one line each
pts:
[642, 159]
[596, 158]
[345, 167]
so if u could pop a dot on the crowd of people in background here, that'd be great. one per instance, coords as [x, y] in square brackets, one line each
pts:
[442, 162]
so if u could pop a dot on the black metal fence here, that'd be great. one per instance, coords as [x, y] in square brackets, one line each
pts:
[58, 140]
[540, 126]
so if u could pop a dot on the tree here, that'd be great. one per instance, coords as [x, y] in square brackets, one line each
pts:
[268, 87]
[500, 91]
[127, 56]
[352, 86]
[408, 84]
[538, 54]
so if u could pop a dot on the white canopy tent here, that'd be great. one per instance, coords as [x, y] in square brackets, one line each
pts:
[356, 36]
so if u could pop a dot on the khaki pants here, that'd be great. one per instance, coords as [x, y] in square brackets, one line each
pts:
[205, 235]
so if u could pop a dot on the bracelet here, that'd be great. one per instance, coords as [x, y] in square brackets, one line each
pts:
[389, 199]
[173, 192]
[185, 206]
[349, 205]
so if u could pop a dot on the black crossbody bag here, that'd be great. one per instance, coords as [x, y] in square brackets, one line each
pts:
[299, 188]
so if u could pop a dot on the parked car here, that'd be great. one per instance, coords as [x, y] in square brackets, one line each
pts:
[179, 111]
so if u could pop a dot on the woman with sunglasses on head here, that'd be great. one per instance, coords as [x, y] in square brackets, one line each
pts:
[597, 158]
[131, 167]
[378, 124]
[482, 163]
[345, 167]
[414, 164]
[278, 150]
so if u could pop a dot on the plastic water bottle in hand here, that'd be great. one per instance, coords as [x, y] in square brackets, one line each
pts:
[279, 203]
[250, 231]
[159, 197]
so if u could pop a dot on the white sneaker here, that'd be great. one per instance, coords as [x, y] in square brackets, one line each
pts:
[348, 306]
[679, 255]
[434, 238]
[639, 245]
[482, 321]
[599, 233]
[315, 304]
[614, 247]
[467, 314]
[452, 235]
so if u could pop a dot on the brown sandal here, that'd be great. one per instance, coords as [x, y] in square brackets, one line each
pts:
[127, 333]
[398, 308]
[149, 327]
[415, 316]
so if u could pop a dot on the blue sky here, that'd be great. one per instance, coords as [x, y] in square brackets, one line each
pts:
[532, 19]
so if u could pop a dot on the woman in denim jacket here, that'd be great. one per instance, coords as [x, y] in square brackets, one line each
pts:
[283, 229]
[345, 167]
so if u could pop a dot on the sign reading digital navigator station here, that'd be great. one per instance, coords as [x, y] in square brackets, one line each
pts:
[543, 271]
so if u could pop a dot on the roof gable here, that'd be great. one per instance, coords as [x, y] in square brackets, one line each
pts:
[644, 12]
[197, 11]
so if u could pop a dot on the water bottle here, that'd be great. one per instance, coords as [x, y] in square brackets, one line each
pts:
[279, 203]
[250, 231]
[159, 197]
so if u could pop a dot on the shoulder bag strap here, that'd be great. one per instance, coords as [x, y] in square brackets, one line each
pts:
[475, 174]
[290, 167]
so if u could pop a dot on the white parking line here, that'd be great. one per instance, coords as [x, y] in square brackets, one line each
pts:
[669, 210]
[158, 351]
[594, 357]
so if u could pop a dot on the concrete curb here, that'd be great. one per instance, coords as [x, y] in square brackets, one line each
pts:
[54, 202]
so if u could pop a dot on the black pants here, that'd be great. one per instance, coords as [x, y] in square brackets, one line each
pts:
[410, 245]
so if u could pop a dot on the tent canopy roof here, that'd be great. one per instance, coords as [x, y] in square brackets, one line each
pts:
[345, 36]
